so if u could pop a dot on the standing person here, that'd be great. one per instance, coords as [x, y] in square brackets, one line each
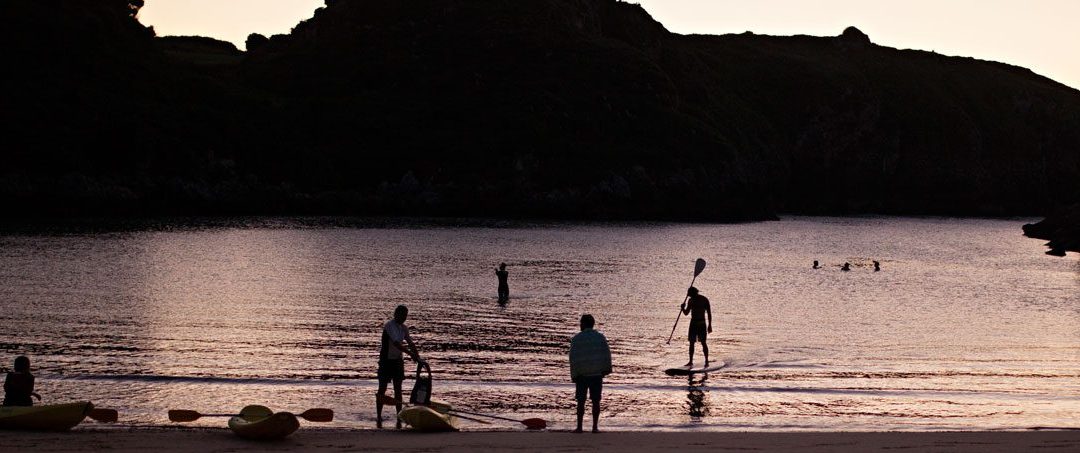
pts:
[395, 341]
[590, 361]
[877, 266]
[19, 385]
[504, 287]
[698, 308]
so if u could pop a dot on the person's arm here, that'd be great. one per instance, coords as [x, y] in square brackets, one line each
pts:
[708, 311]
[607, 355]
[412, 350]
[684, 308]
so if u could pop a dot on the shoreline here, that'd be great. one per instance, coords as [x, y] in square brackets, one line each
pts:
[167, 439]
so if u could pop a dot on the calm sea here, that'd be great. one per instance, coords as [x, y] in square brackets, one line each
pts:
[968, 325]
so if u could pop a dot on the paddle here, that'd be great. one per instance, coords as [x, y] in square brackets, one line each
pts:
[699, 266]
[104, 415]
[311, 415]
[530, 423]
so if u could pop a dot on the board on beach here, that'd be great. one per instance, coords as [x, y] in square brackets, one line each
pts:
[688, 370]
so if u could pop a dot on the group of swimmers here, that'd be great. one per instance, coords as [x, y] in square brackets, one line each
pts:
[846, 267]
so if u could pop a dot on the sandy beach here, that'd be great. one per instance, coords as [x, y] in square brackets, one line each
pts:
[221, 440]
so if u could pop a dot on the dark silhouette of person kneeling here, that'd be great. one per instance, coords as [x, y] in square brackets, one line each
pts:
[590, 361]
[19, 385]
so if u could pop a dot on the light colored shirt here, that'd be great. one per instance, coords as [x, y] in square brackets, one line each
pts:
[395, 333]
[589, 354]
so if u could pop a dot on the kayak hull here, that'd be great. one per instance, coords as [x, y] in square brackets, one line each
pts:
[263, 425]
[429, 419]
[52, 417]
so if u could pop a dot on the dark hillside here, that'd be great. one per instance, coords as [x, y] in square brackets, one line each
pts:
[555, 108]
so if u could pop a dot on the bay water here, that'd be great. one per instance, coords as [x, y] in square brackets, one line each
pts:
[967, 326]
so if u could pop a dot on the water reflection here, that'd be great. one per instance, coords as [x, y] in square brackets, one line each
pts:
[697, 397]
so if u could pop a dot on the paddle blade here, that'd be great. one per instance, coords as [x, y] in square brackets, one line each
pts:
[699, 266]
[180, 415]
[104, 415]
[317, 415]
[534, 423]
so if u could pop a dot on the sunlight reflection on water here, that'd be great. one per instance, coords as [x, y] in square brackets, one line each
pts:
[968, 325]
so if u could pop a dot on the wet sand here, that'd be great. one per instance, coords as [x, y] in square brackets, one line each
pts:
[221, 440]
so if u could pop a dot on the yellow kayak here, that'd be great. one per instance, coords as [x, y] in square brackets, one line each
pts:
[52, 417]
[429, 418]
[261, 423]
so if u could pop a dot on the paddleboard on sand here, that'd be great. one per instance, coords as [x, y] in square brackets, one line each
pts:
[696, 369]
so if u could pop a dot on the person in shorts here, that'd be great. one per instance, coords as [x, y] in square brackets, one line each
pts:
[590, 361]
[697, 307]
[395, 343]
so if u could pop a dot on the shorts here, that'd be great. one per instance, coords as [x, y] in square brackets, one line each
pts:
[391, 370]
[591, 385]
[698, 332]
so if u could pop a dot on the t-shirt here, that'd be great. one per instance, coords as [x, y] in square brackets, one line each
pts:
[502, 277]
[698, 305]
[393, 332]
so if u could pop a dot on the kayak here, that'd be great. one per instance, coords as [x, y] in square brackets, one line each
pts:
[52, 417]
[433, 418]
[261, 423]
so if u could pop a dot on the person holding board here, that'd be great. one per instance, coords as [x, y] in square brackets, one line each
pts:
[697, 306]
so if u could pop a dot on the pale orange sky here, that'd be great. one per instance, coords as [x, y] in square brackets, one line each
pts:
[1038, 34]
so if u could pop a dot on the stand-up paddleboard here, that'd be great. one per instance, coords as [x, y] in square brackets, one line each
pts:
[696, 369]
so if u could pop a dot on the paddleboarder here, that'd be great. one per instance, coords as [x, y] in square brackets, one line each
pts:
[590, 361]
[504, 287]
[19, 384]
[697, 306]
[395, 341]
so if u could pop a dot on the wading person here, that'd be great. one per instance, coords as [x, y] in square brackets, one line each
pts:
[590, 361]
[697, 306]
[504, 287]
[19, 385]
[395, 341]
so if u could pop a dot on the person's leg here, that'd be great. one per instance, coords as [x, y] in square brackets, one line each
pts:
[594, 393]
[579, 394]
[705, 348]
[397, 396]
[378, 401]
[692, 339]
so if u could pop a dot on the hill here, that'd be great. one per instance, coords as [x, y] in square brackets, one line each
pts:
[553, 108]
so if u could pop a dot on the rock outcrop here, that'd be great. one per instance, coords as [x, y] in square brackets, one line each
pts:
[1062, 229]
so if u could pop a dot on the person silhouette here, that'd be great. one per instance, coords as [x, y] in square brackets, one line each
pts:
[816, 265]
[504, 287]
[877, 266]
[394, 344]
[19, 384]
[699, 310]
[846, 267]
[590, 361]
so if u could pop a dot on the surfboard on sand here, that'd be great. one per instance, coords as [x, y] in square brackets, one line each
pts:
[696, 369]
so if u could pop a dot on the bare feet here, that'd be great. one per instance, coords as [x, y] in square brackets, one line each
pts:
[689, 364]
[595, 431]
[398, 426]
[577, 431]
[378, 423]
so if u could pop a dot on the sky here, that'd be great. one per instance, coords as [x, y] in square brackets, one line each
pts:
[1041, 35]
